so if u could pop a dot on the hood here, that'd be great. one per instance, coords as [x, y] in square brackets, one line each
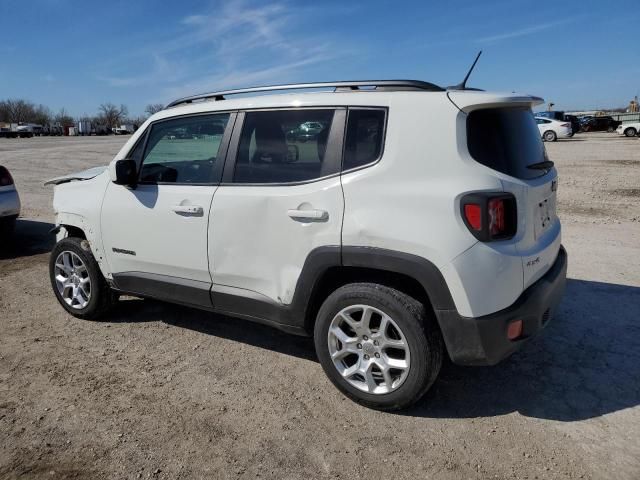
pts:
[83, 175]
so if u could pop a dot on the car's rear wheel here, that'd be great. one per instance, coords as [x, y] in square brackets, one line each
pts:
[630, 132]
[610, 129]
[550, 136]
[77, 280]
[379, 346]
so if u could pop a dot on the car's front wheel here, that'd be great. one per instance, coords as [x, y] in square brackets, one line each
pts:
[379, 346]
[550, 136]
[77, 280]
[630, 132]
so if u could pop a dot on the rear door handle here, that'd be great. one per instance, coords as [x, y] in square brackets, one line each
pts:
[309, 215]
[188, 209]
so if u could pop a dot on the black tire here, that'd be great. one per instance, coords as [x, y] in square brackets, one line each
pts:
[630, 132]
[102, 297]
[418, 326]
[550, 136]
[610, 129]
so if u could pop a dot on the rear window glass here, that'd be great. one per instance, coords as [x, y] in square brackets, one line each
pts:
[507, 140]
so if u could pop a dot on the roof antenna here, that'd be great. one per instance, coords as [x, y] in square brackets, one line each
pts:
[463, 84]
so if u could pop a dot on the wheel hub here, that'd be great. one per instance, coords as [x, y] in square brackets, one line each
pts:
[368, 349]
[72, 280]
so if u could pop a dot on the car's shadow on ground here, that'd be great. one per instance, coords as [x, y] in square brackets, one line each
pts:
[31, 237]
[584, 365]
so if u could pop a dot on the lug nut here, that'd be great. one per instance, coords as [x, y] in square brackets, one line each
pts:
[375, 342]
[377, 355]
[365, 338]
[366, 357]
[359, 345]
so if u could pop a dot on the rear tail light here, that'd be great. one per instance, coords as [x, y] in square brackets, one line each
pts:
[5, 177]
[565, 125]
[490, 216]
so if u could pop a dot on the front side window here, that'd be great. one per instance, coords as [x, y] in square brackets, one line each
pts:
[184, 150]
[283, 146]
[365, 136]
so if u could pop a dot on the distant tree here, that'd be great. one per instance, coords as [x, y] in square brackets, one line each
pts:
[42, 115]
[111, 115]
[153, 108]
[18, 110]
[63, 118]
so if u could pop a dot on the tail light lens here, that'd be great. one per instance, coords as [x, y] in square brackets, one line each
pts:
[490, 216]
[565, 125]
[5, 177]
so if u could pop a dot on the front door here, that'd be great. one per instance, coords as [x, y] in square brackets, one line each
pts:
[155, 235]
[279, 200]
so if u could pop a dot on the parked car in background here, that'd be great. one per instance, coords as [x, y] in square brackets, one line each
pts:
[628, 129]
[600, 124]
[9, 202]
[552, 114]
[574, 121]
[551, 130]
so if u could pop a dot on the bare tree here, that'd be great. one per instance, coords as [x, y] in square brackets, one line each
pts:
[111, 115]
[63, 118]
[19, 110]
[42, 115]
[153, 108]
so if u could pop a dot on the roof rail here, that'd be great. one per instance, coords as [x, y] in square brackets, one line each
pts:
[338, 86]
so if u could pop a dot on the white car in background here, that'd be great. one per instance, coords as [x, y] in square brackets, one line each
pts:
[551, 130]
[628, 129]
[9, 202]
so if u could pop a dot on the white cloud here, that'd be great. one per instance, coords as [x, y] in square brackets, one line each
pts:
[194, 20]
[523, 31]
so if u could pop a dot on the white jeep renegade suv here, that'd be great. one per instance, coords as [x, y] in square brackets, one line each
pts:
[410, 222]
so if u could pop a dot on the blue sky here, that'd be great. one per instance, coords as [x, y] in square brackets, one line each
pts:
[78, 54]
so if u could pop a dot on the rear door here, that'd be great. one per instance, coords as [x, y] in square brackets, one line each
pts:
[506, 139]
[280, 199]
[156, 234]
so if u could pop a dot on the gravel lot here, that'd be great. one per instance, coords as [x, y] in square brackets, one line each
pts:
[157, 391]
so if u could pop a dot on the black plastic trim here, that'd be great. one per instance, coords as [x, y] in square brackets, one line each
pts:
[184, 291]
[483, 340]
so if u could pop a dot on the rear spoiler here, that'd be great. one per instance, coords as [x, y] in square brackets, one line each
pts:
[468, 100]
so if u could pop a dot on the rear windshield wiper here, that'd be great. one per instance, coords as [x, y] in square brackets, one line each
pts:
[544, 165]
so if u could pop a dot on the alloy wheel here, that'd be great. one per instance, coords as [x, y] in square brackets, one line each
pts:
[368, 349]
[72, 280]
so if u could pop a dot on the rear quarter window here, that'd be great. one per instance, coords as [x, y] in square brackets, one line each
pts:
[506, 140]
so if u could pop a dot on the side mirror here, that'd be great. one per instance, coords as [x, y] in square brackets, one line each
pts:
[126, 173]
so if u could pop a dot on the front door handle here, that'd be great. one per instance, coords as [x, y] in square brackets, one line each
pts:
[310, 215]
[188, 209]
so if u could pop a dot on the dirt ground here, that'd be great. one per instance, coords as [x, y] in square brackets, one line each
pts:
[157, 391]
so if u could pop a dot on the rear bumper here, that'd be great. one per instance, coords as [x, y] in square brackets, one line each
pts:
[483, 340]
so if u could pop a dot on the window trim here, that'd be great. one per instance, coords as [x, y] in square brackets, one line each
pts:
[222, 153]
[335, 139]
[382, 146]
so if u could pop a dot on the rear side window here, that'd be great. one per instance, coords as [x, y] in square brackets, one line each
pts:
[507, 140]
[184, 150]
[365, 135]
[283, 146]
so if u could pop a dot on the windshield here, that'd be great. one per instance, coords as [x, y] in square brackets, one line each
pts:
[506, 140]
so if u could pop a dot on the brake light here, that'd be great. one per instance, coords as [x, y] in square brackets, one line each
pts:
[565, 125]
[473, 214]
[5, 177]
[490, 216]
